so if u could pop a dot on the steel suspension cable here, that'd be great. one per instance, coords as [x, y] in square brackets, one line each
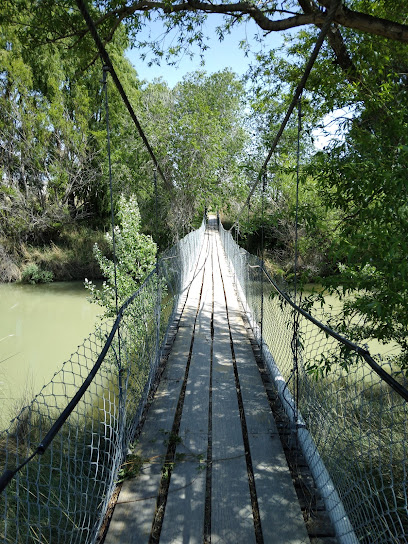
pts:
[331, 12]
[363, 352]
[295, 339]
[264, 180]
[158, 287]
[108, 63]
[297, 193]
[115, 263]
[105, 87]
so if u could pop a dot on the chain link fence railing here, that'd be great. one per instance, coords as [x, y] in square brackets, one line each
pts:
[61, 495]
[351, 424]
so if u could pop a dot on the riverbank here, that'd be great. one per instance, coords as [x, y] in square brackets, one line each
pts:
[68, 257]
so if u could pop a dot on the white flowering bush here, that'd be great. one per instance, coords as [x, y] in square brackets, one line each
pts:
[135, 258]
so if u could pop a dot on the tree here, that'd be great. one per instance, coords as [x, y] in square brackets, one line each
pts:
[206, 143]
[54, 151]
[48, 156]
[52, 134]
[365, 178]
[359, 177]
[361, 68]
[198, 134]
[377, 18]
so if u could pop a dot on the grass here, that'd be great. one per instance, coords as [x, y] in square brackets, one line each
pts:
[68, 258]
[9, 271]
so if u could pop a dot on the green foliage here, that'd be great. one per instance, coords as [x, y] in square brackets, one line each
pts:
[135, 258]
[172, 439]
[370, 189]
[33, 274]
[352, 216]
[197, 130]
[53, 153]
[352, 212]
[131, 467]
[208, 118]
[363, 176]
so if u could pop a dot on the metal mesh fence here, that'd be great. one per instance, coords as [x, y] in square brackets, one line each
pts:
[62, 495]
[351, 425]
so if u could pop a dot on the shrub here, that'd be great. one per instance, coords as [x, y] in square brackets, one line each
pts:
[34, 274]
[135, 254]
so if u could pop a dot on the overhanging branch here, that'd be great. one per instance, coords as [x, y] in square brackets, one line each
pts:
[265, 19]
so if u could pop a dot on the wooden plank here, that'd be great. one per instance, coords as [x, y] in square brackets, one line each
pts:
[133, 515]
[231, 509]
[281, 517]
[184, 514]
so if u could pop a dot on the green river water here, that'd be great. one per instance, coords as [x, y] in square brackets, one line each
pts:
[40, 327]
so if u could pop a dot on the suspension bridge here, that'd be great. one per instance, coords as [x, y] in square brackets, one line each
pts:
[208, 461]
[190, 409]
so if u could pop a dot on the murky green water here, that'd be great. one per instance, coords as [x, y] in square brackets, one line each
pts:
[40, 327]
[278, 332]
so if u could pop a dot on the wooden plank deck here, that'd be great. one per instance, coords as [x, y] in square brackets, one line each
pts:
[214, 470]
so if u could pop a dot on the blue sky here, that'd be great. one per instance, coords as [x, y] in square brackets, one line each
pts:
[220, 55]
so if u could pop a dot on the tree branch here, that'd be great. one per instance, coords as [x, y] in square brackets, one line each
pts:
[344, 16]
[337, 44]
[236, 10]
[372, 25]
